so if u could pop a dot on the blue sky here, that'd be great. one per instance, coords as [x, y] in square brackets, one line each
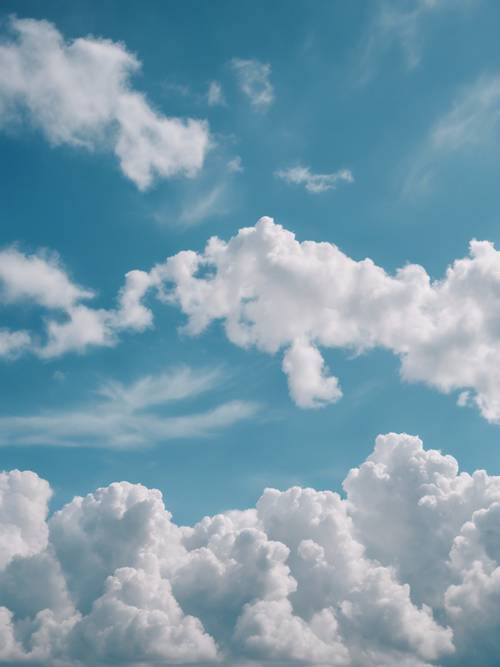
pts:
[248, 259]
[346, 96]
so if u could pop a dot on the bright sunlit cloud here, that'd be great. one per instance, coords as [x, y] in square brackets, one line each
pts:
[79, 93]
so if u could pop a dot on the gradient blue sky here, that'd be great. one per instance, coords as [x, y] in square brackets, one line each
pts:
[346, 96]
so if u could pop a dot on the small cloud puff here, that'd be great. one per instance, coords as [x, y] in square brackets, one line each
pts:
[215, 96]
[254, 80]
[314, 183]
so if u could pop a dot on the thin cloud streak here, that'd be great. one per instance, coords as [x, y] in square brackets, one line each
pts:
[130, 416]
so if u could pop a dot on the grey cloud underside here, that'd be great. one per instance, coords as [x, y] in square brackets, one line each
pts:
[404, 570]
[277, 294]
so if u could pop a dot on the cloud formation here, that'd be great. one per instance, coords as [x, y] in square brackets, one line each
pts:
[79, 93]
[314, 183]
[40, 280]
[254, 80]
[402, 571]
[130, 416]
[278, 294]
[273, 292]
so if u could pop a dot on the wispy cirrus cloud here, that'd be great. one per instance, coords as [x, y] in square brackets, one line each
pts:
[130, 416]
[401, 24]
[314, 183]
[470, 124]
[70, 322]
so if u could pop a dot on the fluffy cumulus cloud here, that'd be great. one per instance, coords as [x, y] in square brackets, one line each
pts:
[79, 93]
[278, 294]
[402, 570]
[254, 79]
[274, 292]
[40, 280]
[314, 183]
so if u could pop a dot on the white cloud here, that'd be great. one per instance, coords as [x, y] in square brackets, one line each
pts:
[254, 80]
[37, 278]
[272, 292]
[13, 343]
[215, 96]
[275, 293]
[41, 281]
[137, 619]
[314, 183]
[308, 380]
[403, 571]
[79, 93]
[24, 501]
[124, 417]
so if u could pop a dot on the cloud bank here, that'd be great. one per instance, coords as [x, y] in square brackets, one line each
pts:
[79, 93]
[404, 570]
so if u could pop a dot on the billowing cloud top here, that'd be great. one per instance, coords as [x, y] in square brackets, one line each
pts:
[404, 571]
[79, 93]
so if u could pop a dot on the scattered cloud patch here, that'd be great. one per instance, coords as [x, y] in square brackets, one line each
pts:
[129, 416]
[79, 93]
[314, 183]
[40, 280]
[235, 165]
[402, 571]
[254, 80]
[215, 95]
